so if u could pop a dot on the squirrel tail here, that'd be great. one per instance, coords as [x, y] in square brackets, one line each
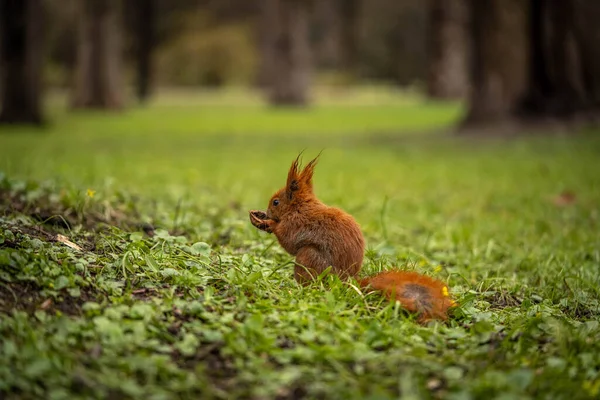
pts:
[427, 297]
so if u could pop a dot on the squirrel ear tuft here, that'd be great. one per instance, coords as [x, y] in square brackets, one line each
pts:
[291, 188]
[300, 180]
[293, 178]
[307, 173]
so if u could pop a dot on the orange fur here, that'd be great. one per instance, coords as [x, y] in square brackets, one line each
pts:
[420, 294]
[321, 236]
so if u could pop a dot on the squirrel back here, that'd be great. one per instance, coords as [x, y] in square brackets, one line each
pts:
[321, 236]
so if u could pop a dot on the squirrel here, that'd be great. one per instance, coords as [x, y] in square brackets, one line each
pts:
[320, 237]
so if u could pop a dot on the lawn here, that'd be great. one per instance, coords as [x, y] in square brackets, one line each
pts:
[129, 268]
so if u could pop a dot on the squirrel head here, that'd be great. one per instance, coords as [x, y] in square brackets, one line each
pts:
[298, 189]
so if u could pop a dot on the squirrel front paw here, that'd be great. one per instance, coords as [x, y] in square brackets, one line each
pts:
[260, 220]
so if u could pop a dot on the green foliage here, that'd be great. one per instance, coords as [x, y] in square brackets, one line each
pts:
[208, 54]
[200, 304]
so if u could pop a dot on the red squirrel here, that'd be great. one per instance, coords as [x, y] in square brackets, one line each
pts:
[321, 236]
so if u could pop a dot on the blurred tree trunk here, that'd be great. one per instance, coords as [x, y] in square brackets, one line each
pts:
[499, 57]
[265, 23]
[291, 57]
[98, 80]
[534, 61]
[327, 43]
[587, 38]
[448, 49]
[145, 26]
[563, 72]
[336, 44]
[349, 33]
[22, 59]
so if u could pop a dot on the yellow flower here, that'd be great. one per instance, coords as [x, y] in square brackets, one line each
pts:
[437, 269]
[91, 193]
[445, 291]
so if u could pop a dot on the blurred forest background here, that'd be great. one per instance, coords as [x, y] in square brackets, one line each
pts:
[508, 60]
[129, 267]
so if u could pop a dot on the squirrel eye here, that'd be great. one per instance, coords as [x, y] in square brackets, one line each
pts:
[276, 202]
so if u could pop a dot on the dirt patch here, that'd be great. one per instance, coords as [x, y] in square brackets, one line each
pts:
[43, 235]
[294, 392]
[50, 212]
[29, 297]
[209, 354]
[581, 312]
[503, 300]
[218, 367]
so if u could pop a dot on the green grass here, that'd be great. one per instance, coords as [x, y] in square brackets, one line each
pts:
[207, 306]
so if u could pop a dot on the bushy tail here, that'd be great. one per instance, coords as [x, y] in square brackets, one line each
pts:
[427, 297]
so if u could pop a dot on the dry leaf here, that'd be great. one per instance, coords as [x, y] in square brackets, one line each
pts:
[565, 198]
[46, 304]
[65, 240]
